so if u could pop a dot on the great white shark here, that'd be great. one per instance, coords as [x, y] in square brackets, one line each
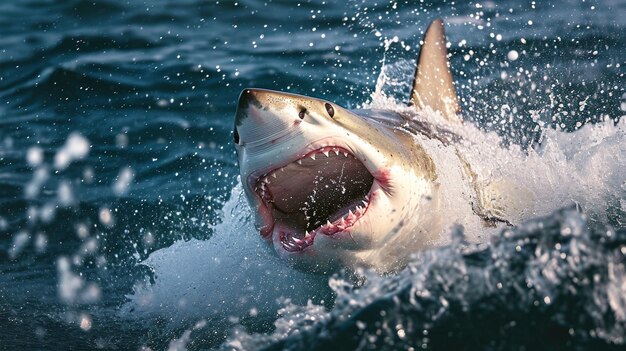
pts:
[333, 187]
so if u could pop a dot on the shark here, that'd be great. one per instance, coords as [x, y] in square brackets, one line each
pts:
[332, 187]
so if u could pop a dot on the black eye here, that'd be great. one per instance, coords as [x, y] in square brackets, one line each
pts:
[236, 136]
[330, 110]
[302, 113]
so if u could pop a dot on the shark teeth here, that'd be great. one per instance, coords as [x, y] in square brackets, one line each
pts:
[360, 211]
[342, 222]
[291, 243]
[326, 151]
[351, 216]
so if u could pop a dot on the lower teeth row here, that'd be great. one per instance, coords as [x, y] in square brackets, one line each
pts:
[330, 228]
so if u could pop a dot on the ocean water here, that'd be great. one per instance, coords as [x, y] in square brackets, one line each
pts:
[123, 226]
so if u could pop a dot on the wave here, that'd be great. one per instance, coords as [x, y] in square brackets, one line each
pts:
[551, 283]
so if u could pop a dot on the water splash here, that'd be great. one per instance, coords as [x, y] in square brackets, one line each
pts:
[233, 277]
[551, 277]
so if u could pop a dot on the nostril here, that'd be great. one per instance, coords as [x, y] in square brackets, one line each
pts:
[236, 136]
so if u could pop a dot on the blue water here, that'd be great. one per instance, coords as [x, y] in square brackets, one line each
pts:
[146, 93]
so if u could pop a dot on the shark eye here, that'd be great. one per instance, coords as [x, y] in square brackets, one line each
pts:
[302, 113]
[330, 110]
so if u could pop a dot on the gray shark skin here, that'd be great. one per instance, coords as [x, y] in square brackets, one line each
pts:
[337, 188]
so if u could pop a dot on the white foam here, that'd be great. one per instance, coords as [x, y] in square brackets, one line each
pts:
[233, 274]
[583, 168]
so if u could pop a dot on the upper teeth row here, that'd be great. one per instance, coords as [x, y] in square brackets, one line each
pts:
[261, 186]
[326, 153]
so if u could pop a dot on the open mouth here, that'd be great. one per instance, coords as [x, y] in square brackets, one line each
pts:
[324, 192]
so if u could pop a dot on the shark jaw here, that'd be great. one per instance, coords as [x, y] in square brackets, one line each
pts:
[319, 203]
[325, 192]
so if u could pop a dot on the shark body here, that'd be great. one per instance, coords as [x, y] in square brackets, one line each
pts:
[334, 188]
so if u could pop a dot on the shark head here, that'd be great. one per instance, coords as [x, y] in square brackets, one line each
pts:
[331, 188]
[328, 186]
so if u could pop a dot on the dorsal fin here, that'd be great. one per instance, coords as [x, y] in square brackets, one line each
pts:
[433, 85]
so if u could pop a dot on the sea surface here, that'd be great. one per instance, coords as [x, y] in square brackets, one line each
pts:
[122, 220]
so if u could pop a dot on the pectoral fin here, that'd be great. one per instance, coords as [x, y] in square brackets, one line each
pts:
[499, 200]
[505, 201]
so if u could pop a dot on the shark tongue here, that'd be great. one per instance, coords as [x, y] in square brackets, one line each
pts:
[309, 192]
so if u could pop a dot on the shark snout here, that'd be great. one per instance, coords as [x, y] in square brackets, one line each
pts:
[246, 98]
[263, 115]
